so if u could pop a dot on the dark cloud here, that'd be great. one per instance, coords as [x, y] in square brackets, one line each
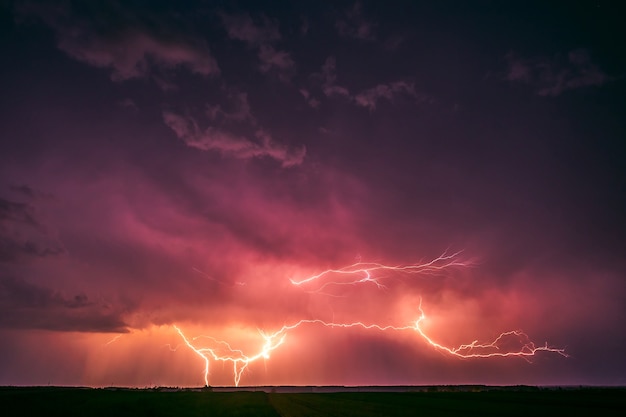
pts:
[261, 36]
[22, 189]
[12, 211]
[554, 76]
[367, 98]
[272, 59]
[237, 110]
[329, 79]
[216, 139]
[22, 234]
[123, 42]
[135, 53]
[354, 24]
[27, 306]
[163, 198]
[129, 104]
[370, 97]
[311, 101]
[243, 28]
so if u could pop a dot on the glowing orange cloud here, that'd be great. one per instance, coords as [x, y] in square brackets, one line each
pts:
[513, 343]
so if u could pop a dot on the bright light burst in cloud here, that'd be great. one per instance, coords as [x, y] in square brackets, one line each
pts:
[248, 194]
[357, 274]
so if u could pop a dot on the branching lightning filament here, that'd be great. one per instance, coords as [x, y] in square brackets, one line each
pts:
[363, 272]
[507, 344]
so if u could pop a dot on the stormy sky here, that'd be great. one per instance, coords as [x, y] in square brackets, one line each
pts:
[185, 163]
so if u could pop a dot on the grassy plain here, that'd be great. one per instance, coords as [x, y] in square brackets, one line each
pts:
[68, 402]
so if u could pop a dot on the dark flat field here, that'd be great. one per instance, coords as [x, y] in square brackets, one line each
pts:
[434, 401]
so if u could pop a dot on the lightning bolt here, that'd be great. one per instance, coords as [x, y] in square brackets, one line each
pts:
[239, 360]
[115, 339]
[362, 273]
[489, 349]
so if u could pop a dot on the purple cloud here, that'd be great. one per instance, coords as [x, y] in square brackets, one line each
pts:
[211, 138]
[260, 36]
[243, 28]
[329, 79]
[239, 110]
[23, 235]
[25, 305]
[553, 76]
[355, 25]
[272, 59]
[370, 97]
[130, 50]
[133, 56]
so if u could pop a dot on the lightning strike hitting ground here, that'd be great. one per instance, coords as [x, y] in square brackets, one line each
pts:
[360, 273]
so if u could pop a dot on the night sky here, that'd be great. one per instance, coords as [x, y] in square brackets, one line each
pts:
[189, 163]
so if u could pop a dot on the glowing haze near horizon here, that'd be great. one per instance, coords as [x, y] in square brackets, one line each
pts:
[361, 193]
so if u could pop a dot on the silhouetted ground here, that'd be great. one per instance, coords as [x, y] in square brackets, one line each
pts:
[357, 401]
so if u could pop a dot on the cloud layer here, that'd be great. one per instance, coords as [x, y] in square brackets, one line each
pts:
[193, 164]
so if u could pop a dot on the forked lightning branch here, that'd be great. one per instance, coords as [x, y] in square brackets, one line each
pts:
[512, 343]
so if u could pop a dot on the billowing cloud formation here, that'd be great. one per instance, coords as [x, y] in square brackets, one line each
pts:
[552, 77]
[187, 129]
[165, 200]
